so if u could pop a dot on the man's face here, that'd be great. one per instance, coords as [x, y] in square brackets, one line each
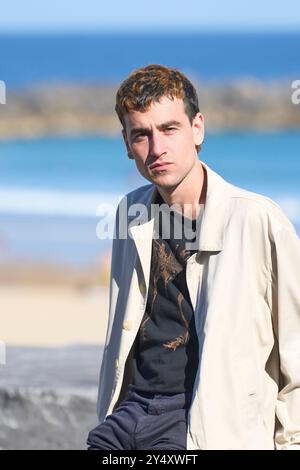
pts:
[162, 141]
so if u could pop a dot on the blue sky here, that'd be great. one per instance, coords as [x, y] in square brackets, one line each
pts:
[139, 15]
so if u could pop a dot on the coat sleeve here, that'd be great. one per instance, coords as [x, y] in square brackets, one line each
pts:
[286, 317]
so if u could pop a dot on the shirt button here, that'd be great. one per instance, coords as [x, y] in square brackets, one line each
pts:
[127, 325]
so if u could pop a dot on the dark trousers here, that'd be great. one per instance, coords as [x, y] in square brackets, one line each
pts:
[144, 421]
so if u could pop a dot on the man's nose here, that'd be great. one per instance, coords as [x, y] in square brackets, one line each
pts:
[157, 147]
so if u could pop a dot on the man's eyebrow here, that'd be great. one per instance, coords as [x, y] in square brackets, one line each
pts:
[169, 124]
[162, 126]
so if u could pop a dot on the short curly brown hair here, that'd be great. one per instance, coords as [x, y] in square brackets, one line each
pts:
[148, 84]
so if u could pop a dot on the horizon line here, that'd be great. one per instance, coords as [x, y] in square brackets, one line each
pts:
[174, 30]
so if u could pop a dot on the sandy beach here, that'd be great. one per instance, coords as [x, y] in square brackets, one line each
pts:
[52, 315]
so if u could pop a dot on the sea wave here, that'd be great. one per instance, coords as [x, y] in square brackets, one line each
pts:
[291, 206]
[54, 202]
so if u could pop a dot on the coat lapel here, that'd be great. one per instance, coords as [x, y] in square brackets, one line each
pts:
[141, 230]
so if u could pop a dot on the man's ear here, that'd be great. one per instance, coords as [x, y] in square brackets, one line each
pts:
[130, 156]
[198, 129]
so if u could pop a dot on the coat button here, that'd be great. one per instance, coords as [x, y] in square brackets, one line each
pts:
[116, 364]
[127, 325]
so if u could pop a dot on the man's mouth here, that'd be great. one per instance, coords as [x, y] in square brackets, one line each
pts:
[159, 165]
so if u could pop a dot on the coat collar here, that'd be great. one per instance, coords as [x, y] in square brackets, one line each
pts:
[215, 214]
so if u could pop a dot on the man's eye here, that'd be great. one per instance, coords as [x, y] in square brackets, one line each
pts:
[139, 137]
[170, 128]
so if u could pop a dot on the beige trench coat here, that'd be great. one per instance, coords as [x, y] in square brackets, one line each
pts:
[244, 285]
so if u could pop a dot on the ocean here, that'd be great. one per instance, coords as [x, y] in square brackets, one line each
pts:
[50, 188]
[26, 60]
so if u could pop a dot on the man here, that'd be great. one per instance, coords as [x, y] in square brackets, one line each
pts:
[203, 341]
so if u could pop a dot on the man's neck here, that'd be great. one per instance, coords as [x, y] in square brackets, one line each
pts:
[190, 194]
